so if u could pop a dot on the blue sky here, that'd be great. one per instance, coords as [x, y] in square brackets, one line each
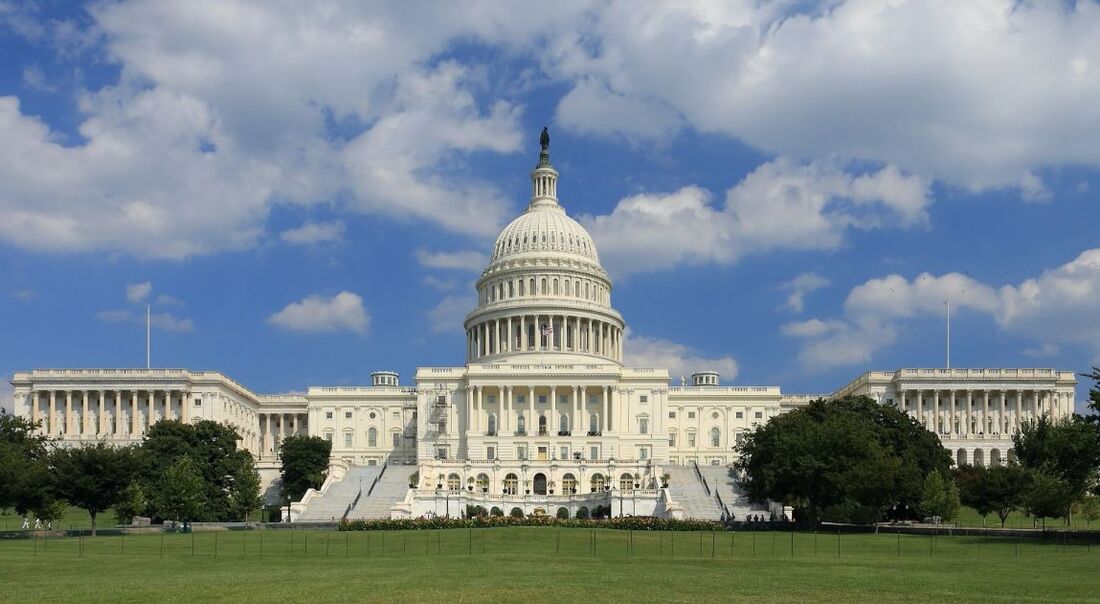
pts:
[784, 191]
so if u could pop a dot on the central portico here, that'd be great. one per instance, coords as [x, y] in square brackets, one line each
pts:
[544, 415]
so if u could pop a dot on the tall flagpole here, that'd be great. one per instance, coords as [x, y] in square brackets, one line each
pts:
[948, 303]
[148, 334]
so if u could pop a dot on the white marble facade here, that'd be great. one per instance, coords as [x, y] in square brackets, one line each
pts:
[543, 404]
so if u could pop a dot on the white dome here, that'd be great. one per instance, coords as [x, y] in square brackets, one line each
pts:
[541, 229]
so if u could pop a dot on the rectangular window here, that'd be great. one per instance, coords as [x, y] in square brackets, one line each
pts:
[490, 452]
[564, 453]
[328, 414]
[740, 414]
[643, 452]
[198, 402]
[328, 437]
[672, 440]
[347, 439]
[521, 453]
[739, 437]
[396, 439]
[441, 453]
[542, 399]
[643, 426]
[691, 440]
[492, 399]
[672, 415]
[347, 415]
[758, 415]
[521, 399]
[594, 453]
[644, 398]
[691, 415]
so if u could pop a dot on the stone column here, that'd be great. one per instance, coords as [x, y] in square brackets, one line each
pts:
[1019, 410]
[967, 431]
[1003, 415]
[102, 417]
[605, 425]
[294, 424]
[936, 411]
[951, 421]
[84, 415]
[985, 412]
[118, 424]
[68, 427]
[152, 405]
[135, 425]
[920, 407]
[36, 415]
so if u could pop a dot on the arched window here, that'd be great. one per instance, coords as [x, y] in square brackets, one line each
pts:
[568, 484]
[555, 287]
[563, 424]
[577, 289]
[511, 484]
[372, 437]
[626, 482]
[454, 483]
[483, 482]
[715, 437]
[542, 288]
[492, 424]
[542, 425]
[593, 424]
[521, 425]
[598, 482]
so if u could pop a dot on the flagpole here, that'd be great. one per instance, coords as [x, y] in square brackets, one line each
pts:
[148, 335]
[948, 303]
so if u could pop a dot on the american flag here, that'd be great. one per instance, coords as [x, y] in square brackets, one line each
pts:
[547, 329]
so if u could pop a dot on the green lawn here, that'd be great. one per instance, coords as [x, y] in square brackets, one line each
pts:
[542, 564]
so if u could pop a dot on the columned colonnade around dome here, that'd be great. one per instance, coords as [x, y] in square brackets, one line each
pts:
[526, 333]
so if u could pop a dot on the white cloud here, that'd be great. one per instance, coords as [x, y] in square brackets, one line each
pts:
[138, 292]
[779, 205]
[681, 360]
[318, 314]
[465, 260]
[161, 321]
[451, 312]
[799, 287]
[443, 285]
[1061, 306]
[312, 233]
[979, 94]
[34, 79]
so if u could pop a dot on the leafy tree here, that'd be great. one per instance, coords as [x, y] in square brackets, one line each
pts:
[940, 497]
[23, 458]
[244, 493]
[998, 490]
[180, 493]
[1049, 496]
[305, 461]
[132, 503]
[92, 477]
[849, 459]
[1094, 394]
[1066, 449]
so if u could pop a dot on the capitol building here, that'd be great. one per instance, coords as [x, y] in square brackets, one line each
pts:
[544, 414]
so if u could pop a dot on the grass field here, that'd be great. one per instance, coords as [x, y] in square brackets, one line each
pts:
[542, 564]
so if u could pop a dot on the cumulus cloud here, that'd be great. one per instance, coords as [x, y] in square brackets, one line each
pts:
[799, 287]
[450, 313]
[978, 94]
[463, 260]
[781, 204]
[319, 314]
[1060, 306]
[162, 320]
[138, 292]
[312, 233]
[681, 360]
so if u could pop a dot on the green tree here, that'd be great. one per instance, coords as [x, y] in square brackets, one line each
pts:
[23, 461]
[1094, 394]
[940, 497]
[180, 493]
[244, 493]
[92, 477]
[304, 464]
[1049, 496]
[1065, 449]
[849, 459]
[132, 503]
[999, 490]
[1089, 507]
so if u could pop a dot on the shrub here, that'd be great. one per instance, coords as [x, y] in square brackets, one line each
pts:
[563, 513]
[582, 513]
[516, 513]
[516, 518]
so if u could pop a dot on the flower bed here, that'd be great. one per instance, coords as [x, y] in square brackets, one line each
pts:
[636, 523]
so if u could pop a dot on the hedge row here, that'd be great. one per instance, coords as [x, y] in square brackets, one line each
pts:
[637, 523]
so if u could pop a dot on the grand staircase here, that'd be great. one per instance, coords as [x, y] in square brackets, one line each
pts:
[331, 505]
[723, 484]
[686, 489]
[390, 489]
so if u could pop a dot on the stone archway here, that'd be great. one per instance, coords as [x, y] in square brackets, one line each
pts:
[540, 484]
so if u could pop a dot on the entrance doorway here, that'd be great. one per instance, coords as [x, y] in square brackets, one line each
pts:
[540, 484]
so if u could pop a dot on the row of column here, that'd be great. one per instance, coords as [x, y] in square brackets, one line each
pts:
[275, 427]
[511, 409]
[109, 407]
[978, 412]
[541, 333]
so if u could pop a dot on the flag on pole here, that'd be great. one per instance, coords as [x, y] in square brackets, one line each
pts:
[547, 329]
